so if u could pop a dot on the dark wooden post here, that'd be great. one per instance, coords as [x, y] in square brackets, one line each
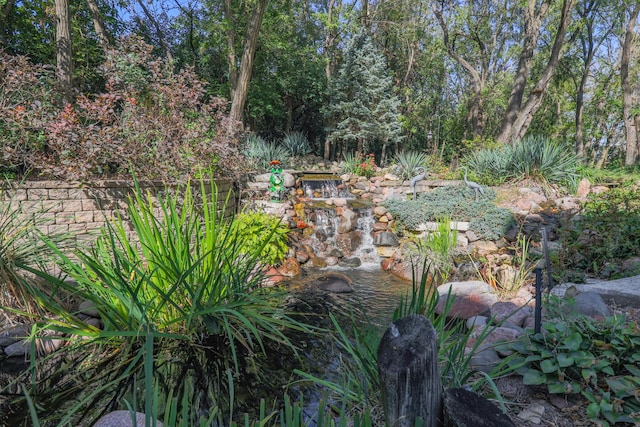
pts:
[409, 375]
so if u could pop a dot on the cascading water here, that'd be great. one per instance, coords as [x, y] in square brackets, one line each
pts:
[335, 232]
[324, 186]
[366, 250]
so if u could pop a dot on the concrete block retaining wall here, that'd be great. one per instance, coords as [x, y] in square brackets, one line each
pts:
[83, 209]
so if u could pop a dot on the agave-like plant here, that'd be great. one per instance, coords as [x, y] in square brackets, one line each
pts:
[533, 157]
[544, 160]
[406, 163]
[261, 152]
[297, 144]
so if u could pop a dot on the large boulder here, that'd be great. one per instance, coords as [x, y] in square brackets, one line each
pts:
[472, 298]
[336, 283]
[123, 419]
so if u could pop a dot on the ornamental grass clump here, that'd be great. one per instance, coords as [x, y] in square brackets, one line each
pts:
[533, 157]
[406, 163]
[261, 152]
[297, 144]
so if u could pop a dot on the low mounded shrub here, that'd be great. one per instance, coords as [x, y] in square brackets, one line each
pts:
[458, 203]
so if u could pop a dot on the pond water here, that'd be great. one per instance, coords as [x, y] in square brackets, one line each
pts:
[376, 295]
[376, 292]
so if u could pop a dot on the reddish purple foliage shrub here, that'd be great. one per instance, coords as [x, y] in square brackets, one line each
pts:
[151, 121]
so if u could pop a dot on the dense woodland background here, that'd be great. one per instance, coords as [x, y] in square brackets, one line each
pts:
[446, 77]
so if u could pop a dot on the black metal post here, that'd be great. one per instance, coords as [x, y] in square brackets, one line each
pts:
[545, 248]
[538, 309]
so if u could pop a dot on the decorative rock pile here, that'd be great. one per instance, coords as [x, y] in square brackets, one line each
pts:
[16, 341]
[532, 207]
[478, 304]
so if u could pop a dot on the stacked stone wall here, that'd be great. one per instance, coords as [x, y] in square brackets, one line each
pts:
[81, 210]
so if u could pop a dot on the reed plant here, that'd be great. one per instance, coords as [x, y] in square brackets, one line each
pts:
[181, 298]
[22, 250]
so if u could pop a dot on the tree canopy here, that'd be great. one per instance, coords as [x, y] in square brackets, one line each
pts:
[378, 76]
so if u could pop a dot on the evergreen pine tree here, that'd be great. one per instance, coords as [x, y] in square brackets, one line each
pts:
[363, 105]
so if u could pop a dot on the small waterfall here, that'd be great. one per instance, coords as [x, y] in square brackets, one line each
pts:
[366, 251]
[323, 187]
[354, 243]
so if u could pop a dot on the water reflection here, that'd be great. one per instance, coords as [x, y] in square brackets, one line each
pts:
[377, 292]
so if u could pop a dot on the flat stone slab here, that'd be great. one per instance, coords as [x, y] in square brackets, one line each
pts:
[433, 226]
[623, 292]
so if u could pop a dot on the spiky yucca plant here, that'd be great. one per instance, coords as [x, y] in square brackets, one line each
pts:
[534, 157]
[297, 144]
[406, 163]
[261, 152]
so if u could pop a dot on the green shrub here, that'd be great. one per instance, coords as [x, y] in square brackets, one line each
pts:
[297, 144]
[579, 355]
[604, 233]
[535, 157]
[406, 163]
[625, 176]
[249, 228]
[459, 204]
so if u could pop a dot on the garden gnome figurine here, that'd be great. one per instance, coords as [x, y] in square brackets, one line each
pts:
[277, 180]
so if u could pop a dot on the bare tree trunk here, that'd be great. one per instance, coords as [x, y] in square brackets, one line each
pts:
[532, 22]
[64, 52]
[587, 12]
[231, 47]
[630, 118]
[241, 89]
[328, 67]
[536, 97]
[4, 16]
[159, 33]
[476, 114]
[98, 25]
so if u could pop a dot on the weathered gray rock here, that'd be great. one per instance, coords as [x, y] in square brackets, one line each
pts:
[350, 262]
[386, 238]
[88, 308]
[510, 312]
[480, 321]
[289, 180]
[17, 349]
[123, 419]
[591, 304]
[336, 283]
[13, 334]
[623, 292]
[485, 359]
